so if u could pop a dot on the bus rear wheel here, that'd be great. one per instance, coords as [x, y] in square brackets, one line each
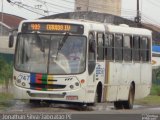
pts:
[129, 103]
[118, 105]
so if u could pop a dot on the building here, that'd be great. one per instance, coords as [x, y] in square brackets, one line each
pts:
[102, 6]
[8, 22]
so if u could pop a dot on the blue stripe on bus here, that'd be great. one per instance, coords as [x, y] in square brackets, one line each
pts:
[33, 78]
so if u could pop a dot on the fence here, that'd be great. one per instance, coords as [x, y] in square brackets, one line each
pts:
[7, 57]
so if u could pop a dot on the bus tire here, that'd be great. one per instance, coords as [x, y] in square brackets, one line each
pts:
[118, 105]
[129, 103]
[96, 98]
[98, 94]
[35, 102]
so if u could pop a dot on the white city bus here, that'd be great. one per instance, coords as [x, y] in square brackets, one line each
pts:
[83, 62]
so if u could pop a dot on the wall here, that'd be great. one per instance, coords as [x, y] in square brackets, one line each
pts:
[102, 6]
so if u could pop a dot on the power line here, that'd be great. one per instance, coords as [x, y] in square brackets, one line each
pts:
[49, 4]
[150, 20]
[113, 10]
[69, 1]
[154, 4]
[127, 13]
[53, 4]
[27, 7]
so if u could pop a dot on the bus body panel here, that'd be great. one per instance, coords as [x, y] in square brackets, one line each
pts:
[21, 93]
[146, 77]
[82, 91]
[115, 76]
[121, 76]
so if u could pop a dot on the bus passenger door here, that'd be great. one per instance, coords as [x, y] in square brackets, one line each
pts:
[96, 65]
[90, 89]
[100, 65]
[110, 82]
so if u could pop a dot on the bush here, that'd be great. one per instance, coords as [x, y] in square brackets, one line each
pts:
[6, 70]
[5, 100]
[155, 90]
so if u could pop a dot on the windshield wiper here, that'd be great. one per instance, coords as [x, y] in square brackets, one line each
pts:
[41, 44]
[60, 45]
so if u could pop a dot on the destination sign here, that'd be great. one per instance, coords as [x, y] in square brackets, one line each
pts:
[53, 27]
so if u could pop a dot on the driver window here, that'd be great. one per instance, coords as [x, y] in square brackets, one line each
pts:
[91, 52]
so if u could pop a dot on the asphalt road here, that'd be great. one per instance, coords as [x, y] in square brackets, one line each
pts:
[102, 111]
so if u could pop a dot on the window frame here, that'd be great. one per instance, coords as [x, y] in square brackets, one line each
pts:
[106, 48]
[102, 57]
[145, 51]
[119, 48]
[136, 49]
[125, 48]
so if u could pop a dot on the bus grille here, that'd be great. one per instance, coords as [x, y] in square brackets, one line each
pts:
[47, 87]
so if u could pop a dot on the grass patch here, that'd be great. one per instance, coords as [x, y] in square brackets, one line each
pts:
[155, 90]
[4, 100]
[1, 82]
[149, 100]
[153, 98]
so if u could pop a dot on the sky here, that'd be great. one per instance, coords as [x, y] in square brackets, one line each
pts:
[149, 9]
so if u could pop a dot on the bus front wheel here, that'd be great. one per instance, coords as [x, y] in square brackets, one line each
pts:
[98, 94]
[129, 103]
[35, 102]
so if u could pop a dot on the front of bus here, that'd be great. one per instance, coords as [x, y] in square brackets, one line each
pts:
[50, 61]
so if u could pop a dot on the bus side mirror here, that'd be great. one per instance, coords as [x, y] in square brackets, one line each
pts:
[11, 41]
[92, 46]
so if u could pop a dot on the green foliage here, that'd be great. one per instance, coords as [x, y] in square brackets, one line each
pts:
[6, 70]
[5, 99]
[149, 100]
[155, 90]
[153, 98]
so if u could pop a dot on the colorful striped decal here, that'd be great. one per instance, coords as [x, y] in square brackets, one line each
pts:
[50, 80]
[39, 81]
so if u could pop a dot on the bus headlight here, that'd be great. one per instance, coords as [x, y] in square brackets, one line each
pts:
[71, 86]
[18, 81]
[77, 84]
[23, 84]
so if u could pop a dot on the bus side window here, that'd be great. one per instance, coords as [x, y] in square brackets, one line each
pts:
[127, 45]
[144, 49]
[92, 48]
[91, 53]
[136, 47]
[100, 46]
[149, 49]
[118, 47]
[109, 43]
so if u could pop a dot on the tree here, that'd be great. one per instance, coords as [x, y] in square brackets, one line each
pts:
[5, 70]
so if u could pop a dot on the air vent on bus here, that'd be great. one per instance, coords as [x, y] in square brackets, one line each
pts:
[124, 25]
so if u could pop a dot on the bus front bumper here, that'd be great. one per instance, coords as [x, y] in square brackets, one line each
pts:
[78, 95]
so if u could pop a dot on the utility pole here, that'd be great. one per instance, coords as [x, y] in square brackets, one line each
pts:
[138, 17]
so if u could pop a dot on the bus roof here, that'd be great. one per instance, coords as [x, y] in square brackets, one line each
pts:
[92, 25]
[128, 30]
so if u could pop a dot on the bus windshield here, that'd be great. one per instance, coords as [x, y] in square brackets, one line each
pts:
[40, 53]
